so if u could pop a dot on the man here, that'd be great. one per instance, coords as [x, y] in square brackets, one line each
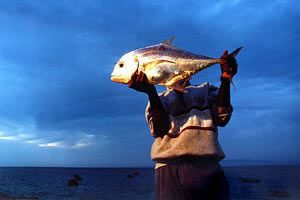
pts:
[186, 149]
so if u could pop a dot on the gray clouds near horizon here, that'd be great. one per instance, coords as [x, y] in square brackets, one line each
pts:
[59, 107]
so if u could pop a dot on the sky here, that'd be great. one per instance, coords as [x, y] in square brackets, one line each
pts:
[58, 106]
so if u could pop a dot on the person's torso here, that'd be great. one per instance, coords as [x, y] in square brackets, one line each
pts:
[192, 131]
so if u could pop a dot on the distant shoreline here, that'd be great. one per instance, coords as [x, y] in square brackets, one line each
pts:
[225, 163]
[150, 167]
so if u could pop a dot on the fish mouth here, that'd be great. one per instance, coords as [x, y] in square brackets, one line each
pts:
[118, 79]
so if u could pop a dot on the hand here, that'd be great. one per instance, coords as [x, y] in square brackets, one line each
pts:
[140, 83]
[228, 66]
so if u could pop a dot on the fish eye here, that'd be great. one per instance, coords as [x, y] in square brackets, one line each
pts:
[121, 65]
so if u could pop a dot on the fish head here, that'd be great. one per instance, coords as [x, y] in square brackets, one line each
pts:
[126, 66]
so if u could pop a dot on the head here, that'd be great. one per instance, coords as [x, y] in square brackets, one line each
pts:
[125, 68]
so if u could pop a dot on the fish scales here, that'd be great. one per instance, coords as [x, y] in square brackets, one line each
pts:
[163, 64]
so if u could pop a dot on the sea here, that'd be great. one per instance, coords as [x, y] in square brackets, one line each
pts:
[252, 182]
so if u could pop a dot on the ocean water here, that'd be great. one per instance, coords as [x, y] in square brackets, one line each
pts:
[271, 182]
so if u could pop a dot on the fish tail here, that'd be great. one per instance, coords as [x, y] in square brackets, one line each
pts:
[235, 52]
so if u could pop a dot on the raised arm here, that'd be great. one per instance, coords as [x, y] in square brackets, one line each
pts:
[158, 117]
[223, 104]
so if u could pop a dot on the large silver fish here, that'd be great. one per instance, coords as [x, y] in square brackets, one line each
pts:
[163, 64]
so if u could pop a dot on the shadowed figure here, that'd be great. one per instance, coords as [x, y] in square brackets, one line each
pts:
[185, 126]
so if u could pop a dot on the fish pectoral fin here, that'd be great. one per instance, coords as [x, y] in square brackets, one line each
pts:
[186, 80]
[152, 64]
[169, 41]
[178, 83]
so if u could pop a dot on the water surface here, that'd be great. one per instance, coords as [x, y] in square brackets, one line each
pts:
[275, 182]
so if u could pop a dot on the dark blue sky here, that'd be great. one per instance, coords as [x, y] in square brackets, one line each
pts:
[58, 106]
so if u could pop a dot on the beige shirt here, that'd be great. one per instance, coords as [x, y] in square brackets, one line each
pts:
[193, 129]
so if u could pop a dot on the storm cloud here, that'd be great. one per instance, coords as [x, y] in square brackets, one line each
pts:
[59, 107]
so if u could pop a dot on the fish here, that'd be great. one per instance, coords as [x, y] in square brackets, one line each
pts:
[163, 64]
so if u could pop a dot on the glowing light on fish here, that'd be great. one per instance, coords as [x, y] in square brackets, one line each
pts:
[163, 64]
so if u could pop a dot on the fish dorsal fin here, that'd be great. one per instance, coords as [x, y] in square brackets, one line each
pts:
[169, 41]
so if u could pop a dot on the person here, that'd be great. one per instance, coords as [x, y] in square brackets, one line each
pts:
[185, 126]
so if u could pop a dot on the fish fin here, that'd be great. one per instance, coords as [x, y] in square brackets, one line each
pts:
[236, 52]
[152, 64]
[186, 80]
[180, 86]
[169, 41]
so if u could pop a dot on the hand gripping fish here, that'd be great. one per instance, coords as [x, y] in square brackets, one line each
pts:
[163, 64]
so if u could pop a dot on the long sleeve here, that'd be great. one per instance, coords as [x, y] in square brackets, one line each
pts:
[149, 119]
[221, 113]
[158, 119]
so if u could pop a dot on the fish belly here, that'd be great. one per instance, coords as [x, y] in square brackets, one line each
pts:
[161, 72]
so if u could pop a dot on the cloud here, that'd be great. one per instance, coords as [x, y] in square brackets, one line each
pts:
[50, 139]
[52, 144]
[8, 138]
[82, 142]
[56, 59]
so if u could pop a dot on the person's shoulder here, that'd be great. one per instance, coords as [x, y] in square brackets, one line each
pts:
[204, 88]
[202, 85]
[208, 85]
